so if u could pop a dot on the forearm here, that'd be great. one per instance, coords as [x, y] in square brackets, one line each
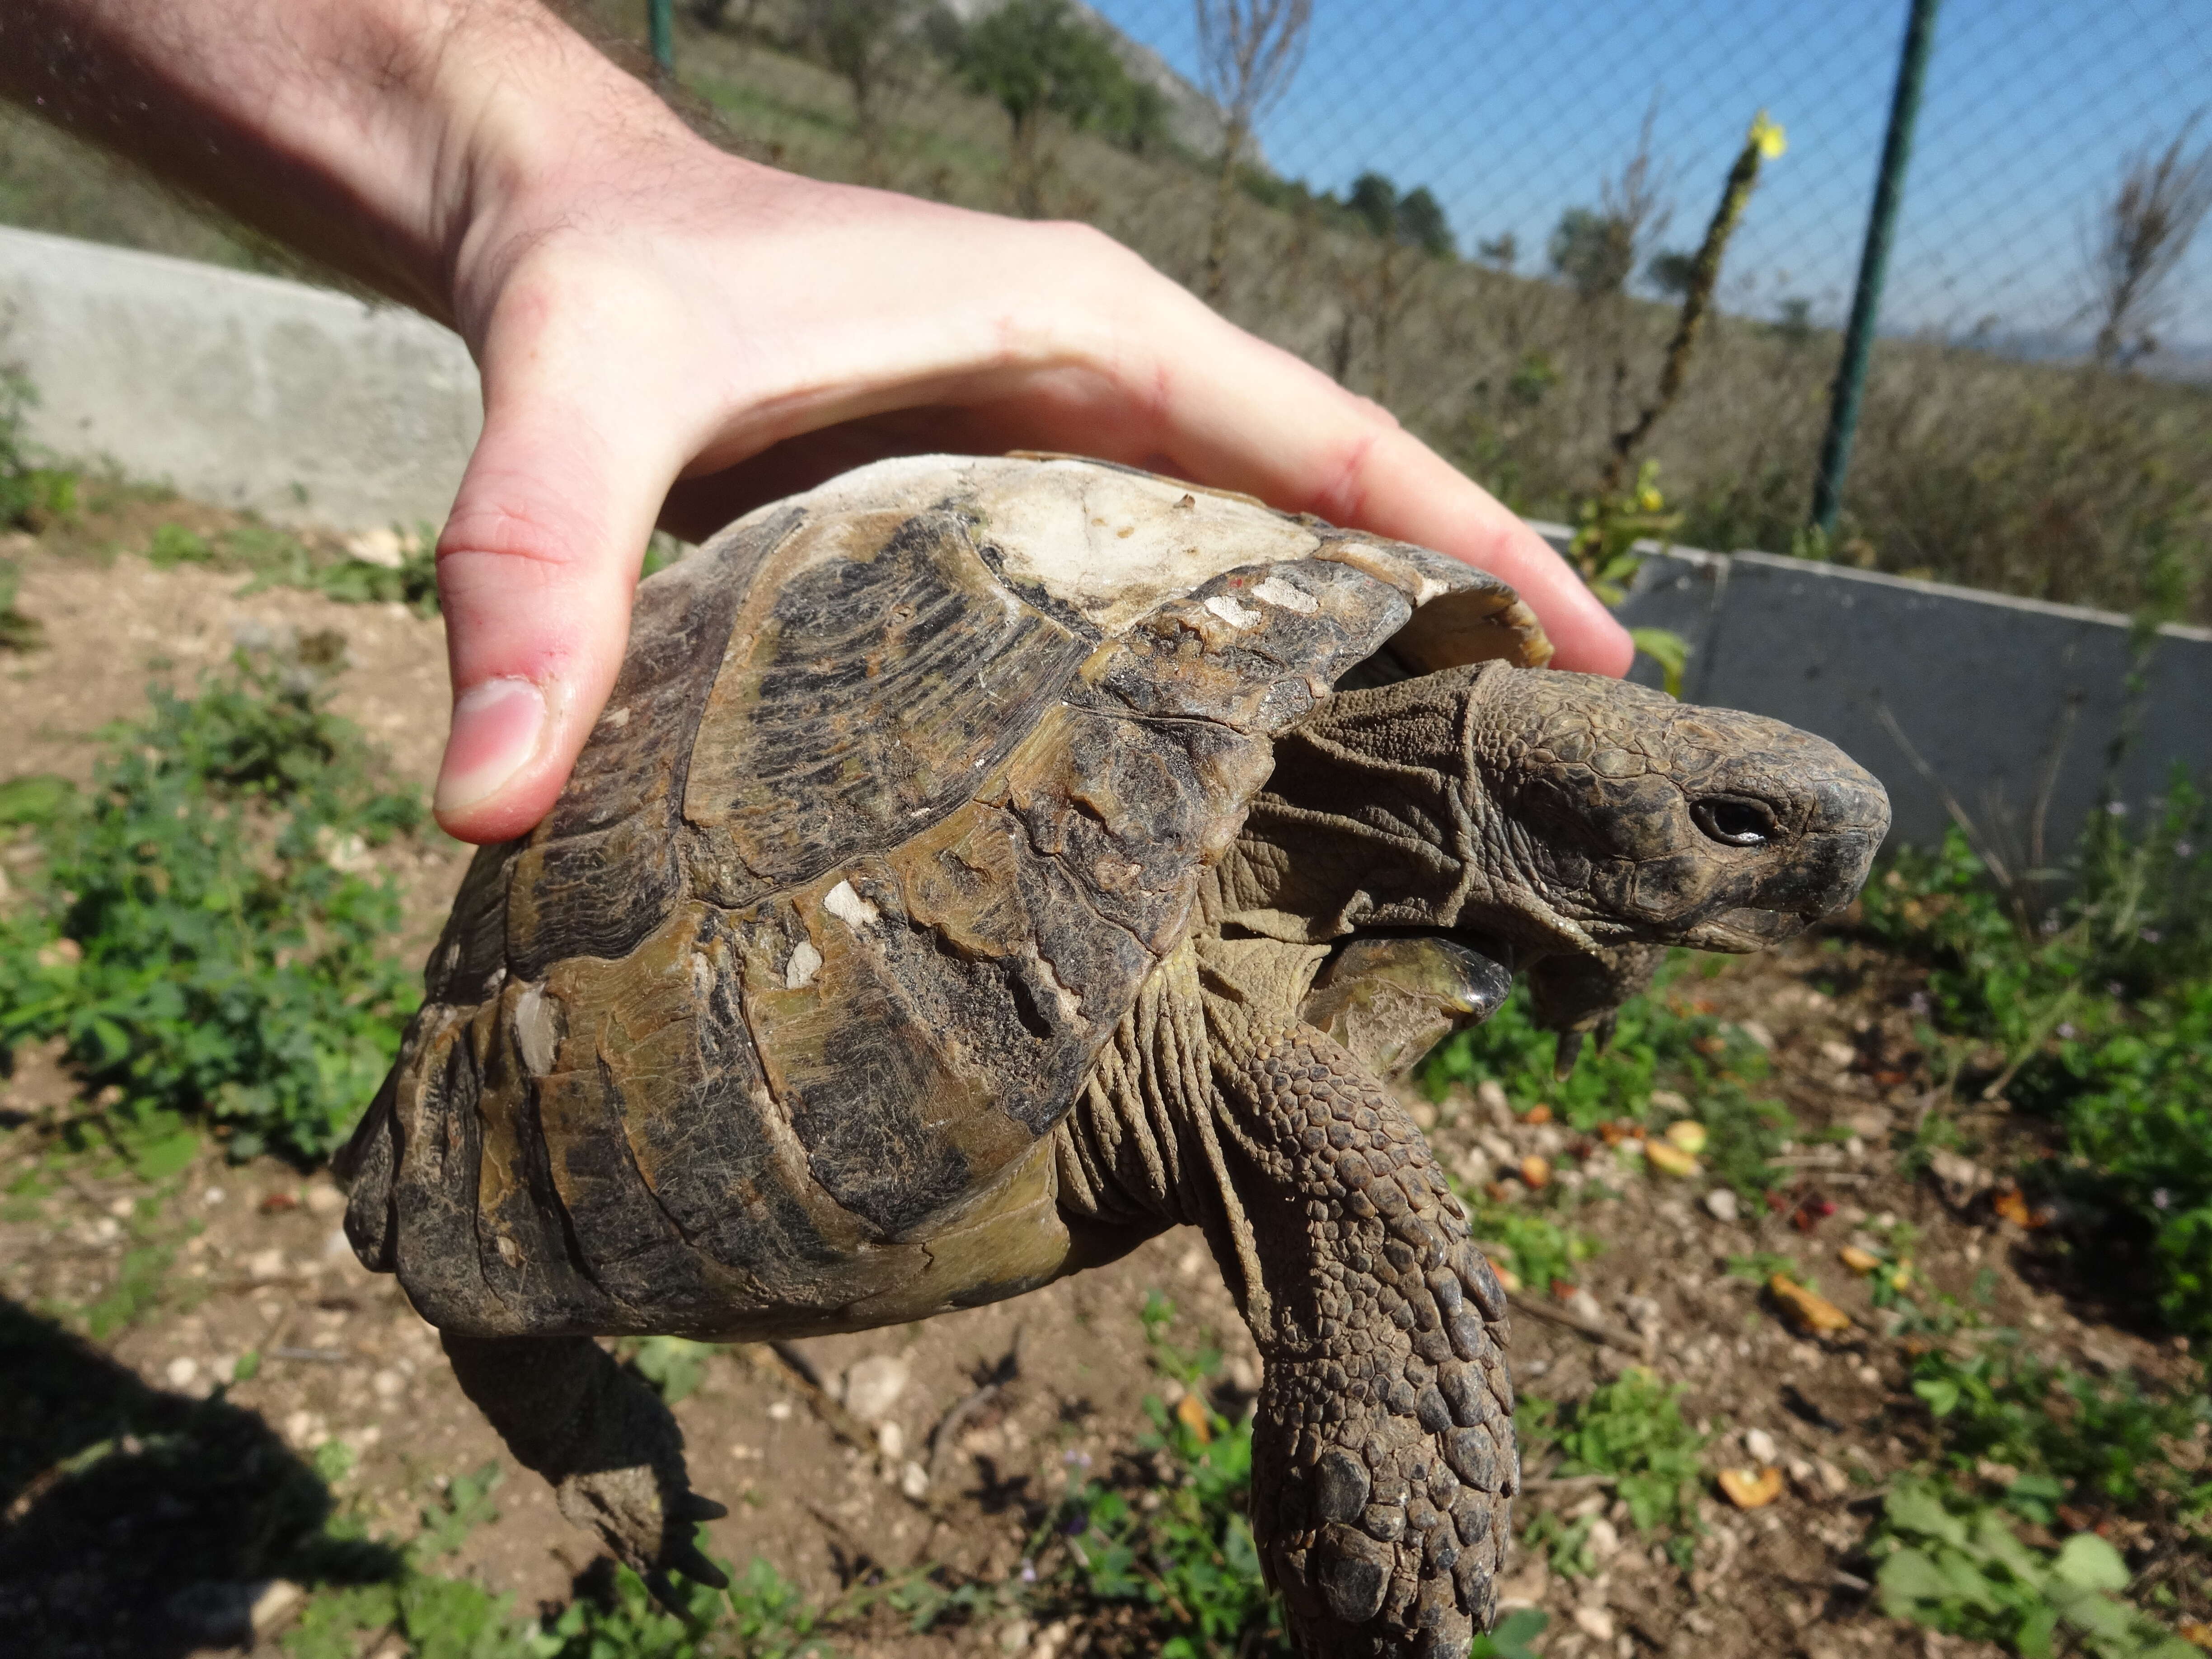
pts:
[371, 134]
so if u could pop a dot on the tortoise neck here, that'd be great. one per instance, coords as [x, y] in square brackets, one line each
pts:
[1375, 817]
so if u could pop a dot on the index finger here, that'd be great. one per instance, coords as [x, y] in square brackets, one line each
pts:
[1259, 420]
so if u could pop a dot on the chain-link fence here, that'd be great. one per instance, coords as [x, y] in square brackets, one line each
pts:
[1486, 218]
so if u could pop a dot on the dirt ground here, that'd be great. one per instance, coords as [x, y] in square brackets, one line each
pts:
[260, 1266]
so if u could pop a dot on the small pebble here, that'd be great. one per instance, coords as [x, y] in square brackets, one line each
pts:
[1760, 1444]
[181, 1371]
[1721, 1204]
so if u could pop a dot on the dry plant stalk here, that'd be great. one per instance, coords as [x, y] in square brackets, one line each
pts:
[1249, 50]
[1763, 140]
[2143, 230]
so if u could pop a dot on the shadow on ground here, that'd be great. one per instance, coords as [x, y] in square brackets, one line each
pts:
[138, 1523]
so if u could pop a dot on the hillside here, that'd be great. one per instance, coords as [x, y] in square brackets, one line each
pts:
[2054, 482]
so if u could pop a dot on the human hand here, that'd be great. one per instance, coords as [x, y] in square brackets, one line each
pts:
[733, 333]
[667, 332]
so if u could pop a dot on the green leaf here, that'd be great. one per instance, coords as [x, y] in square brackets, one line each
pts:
[1940, 1394]
[2088, 1562]
[1908, 1580]
[1916, 1508]
[1667, 648]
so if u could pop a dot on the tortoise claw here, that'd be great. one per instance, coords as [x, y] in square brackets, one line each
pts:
[684, 1558]
[1569, 1050]
[690, 1506]
[665, 1593]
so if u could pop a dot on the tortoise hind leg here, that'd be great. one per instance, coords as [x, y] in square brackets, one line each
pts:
[605, 1442]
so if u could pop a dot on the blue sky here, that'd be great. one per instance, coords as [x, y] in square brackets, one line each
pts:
[1511, 113]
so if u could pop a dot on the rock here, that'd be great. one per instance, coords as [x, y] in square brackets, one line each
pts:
[914, 1480]
[890, 1440]
[1490, 1095]
[1839, 1056]
[272, 1602]
[1594, 1622]
[385, 547]
[1604, 1538]
[265, 1264]
[1962, 1179]
[181, 1371]
[873, 1386]
[1721, 1204]
[1582, 1302]
[1761, 1445]
[1758, 1033]
[326, 1200]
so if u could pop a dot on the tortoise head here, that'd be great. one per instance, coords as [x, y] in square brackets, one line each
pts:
[1532, 813]
[1633, 818]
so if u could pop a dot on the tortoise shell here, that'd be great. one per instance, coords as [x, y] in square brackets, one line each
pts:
[906, 786]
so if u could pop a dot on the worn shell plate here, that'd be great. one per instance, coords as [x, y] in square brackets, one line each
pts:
[906, 786]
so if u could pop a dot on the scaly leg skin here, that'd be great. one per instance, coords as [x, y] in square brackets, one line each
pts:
[605, 1442]
[1383, 1459]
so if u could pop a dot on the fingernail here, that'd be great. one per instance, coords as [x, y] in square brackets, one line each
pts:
[497, 728]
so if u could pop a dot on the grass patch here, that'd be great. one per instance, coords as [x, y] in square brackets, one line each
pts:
[2092, 1012]
[1631, 1430]
[1666, 1060]
[206, 929]
[2065, 1443]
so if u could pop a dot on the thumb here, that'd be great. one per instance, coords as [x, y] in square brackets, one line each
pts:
[536, 568]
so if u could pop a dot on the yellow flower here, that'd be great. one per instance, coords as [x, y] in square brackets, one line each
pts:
[1648, 499]
[1768, 136]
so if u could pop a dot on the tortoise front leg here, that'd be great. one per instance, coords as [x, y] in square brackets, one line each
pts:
[1383, 1461]
[603, 1440]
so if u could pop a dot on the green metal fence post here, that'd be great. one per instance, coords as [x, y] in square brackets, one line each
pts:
[660, 16]
[1874, 266]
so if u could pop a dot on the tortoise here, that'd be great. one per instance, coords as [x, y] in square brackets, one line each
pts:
[983, 865]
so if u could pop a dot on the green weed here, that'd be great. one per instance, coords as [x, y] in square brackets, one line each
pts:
[2090, 1443]
[204, 934]
[31, 496]
[2094, 1011]
[674, 1365]
[1632, 1430]
[1708, 1063]
[1184, 1548]
[274, 557]
[1955, 1565]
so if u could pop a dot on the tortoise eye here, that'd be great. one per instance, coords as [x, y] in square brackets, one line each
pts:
[1735, 820]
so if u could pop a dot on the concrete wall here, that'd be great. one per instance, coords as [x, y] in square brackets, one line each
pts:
[310, 407]
[303, 404]
[2008, 702]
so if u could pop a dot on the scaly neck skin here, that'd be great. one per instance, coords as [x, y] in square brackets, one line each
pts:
[1379, 816]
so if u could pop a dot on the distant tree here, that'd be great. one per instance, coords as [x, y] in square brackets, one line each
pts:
[1140, 124]
[1415, 219]
[1593, 251]
[1670, 270]
[865, 41]
[1379, 292]
[1035, 57]
[2143, 230]
[1504, 252]
[1248, 53]
[1793, 320]
[1596, 250]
